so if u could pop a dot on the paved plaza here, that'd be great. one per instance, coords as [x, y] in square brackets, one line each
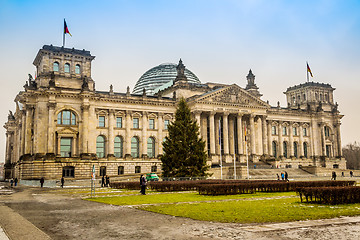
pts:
[48, 213]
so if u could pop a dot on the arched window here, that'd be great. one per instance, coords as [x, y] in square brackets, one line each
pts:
[118, 147]
[285, 149]
[67, 68]
[151, 147]
[77, 69]
[295, 149]
[134, 147]
[327, 131]
[100, 146]
[66, 117]
[56, 67]
[274, 149]
[305, 150]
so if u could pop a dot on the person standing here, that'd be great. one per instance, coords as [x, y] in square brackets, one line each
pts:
[143, 184]
[282, 176]
[286, 176]
[103, 181]
[11, 182]
[42, 180]
[107, 179]
[62, 182]
[16, 181]
[278, 177]
[351, 173]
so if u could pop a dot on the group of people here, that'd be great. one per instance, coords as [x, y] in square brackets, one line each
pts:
[284, 176]
[13, 182]
[105, 181]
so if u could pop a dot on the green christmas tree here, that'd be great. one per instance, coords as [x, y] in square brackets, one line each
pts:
[184, 151]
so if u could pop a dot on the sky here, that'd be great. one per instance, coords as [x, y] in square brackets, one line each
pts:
[218, 40]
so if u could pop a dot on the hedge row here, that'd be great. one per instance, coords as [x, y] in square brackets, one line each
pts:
[259, 186]
[330, 195]
[125, 185]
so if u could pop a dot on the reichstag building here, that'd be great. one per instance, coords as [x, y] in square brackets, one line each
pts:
[62, 125]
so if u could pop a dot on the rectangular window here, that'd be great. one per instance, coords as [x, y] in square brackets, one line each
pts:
[137, 169]
[153, 168]
[305, 132]
[68, 171]
[151, 123]
[65, 147]
[273, 130]
[294, 131]
[119, 122]
[101, 121]
[120, 170]
[166, 123]
[136, 123]
[284, 131]
[102, 171]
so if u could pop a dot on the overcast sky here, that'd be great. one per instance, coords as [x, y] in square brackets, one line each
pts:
[219, 41]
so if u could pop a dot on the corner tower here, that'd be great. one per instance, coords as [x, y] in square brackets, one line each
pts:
[61, 67]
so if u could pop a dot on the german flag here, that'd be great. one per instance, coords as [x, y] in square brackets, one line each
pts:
[308, 69]
[66, 30]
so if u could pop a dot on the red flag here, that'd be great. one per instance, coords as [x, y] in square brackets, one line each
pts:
[66, 30]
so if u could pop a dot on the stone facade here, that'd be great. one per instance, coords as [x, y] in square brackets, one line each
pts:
[62, 126]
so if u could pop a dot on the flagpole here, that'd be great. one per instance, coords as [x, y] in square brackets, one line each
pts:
[220, 149]
[64, 34]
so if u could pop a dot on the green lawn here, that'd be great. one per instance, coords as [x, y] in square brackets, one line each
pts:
[256, 211]
[177, 197]
[244, 208]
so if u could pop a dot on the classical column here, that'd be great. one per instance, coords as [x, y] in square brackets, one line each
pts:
[203, 131]
[226, 133]
[240, 134]
[23, 132]
[128, 134]
[231, 135]
[217, 137]
[269, 139]
[160, 132]
[197, 114]
[85, 128]
[73, 147]
[314, 138]
[28, 133]
[111, 123]
[281, 150]
[323, 143]
[338, 139]
[264, 135]
[51, 130]
[259, 137]
[144, 134]
[252, 132]
[301, 141]
[58, 145]
[212, 133]
[291, 140]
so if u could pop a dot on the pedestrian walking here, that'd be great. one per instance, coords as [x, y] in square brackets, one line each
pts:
[103, 181]
[342, 174]
[107, 181]
[286, 176]
[143, 184]
[282, 176]
[16, 181]
[11, 182]
[351, 173]
[278, 177]
[42, 180]
[62, 182]
[333, 176]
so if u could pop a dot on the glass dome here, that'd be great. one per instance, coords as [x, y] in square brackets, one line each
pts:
[160, 75]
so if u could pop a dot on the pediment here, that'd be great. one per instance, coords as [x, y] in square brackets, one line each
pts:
[232, 94]
[67, 131]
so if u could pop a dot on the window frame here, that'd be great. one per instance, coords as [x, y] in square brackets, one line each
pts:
[61, 120]
[121, 170]
[100, 154]
[137, 169]
[68, 171]
[118, 154]
[166, 124]
[136, 147]
[101, 123]
[67, 66]
[136, 122]
[56, 65]
[77, 69]
[273, 130]
[119, 122]
[151, 123]
[62, 146]
[150, 147]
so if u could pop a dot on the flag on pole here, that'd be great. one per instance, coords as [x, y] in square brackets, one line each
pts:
[66, 30]
[308, 69]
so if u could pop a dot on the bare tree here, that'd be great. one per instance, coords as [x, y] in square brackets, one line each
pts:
[351, 153]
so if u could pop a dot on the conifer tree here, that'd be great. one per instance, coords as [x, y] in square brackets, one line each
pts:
[184, 151]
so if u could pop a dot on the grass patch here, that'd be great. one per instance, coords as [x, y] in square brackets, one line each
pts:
[178, 197]
[256, 211]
